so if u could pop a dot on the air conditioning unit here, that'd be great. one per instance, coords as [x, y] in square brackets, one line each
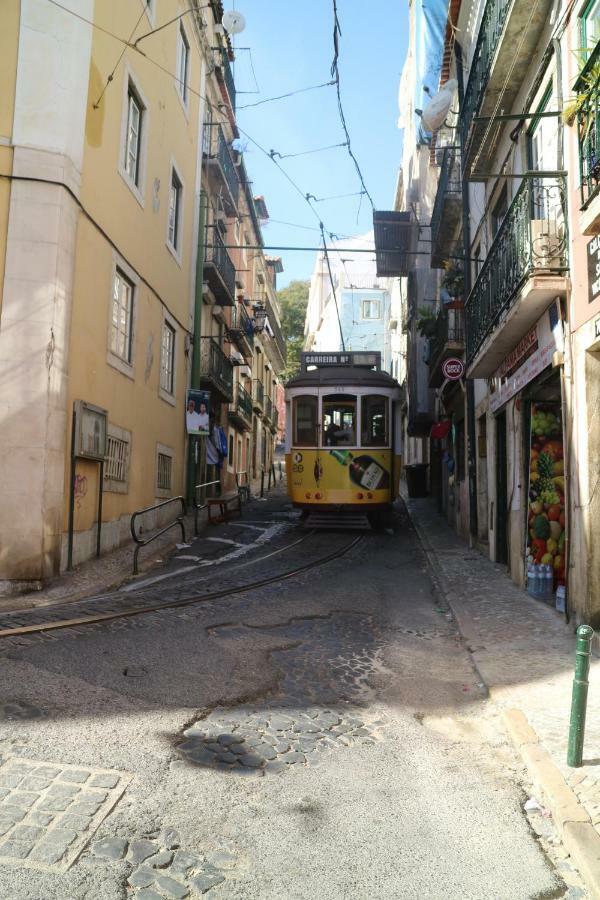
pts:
[547, 243]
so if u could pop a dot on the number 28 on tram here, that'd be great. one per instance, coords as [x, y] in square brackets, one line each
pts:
[343, 436]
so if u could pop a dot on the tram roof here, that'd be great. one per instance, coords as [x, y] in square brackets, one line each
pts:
[350, 375]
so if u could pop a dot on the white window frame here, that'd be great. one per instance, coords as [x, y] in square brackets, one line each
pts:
[176, 248]
[183, 58]
[163, 450]
[136, 186]
[118, 486]
[168, 396]
[126, 367]
[367, 302]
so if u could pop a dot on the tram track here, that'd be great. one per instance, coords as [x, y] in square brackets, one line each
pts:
[131, 605]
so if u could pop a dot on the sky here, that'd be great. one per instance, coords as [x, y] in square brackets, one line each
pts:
[291, 45]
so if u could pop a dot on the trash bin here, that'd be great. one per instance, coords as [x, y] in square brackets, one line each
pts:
[416, 480]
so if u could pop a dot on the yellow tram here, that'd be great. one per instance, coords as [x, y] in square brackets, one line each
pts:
[343, 435]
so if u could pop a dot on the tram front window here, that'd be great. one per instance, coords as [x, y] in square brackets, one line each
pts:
[374, 421]
[305, 421]
[339, 420]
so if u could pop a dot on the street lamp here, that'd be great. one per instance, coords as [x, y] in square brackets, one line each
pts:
[260, 317]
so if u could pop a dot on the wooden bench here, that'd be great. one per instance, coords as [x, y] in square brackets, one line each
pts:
[243, 485]
[227, 505]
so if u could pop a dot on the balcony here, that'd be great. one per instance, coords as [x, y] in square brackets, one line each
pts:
[278, 337]
[268, 409]
[524, 270]
[240, 411]
[222, 168]
[275, 418]
[447, 209]
[588, 128]
[394, 235]
[258, 395]
[448, 340]
[215, 369]
[225, 76]
[219, 270]
[241, 330]
[507, 41]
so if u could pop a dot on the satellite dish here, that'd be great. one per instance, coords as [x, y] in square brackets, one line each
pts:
[233, 22]
[439, 106]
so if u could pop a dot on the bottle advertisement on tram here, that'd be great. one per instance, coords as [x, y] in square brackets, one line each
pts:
[340, 475]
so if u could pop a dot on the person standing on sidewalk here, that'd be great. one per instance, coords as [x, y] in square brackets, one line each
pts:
[213, 457]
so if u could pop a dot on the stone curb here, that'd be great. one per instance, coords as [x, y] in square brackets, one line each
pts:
[577, 832]
[579, 836]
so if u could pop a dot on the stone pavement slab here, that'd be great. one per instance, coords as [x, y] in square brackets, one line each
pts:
[524, 649]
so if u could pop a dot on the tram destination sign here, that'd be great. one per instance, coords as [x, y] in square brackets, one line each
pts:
[320, 360]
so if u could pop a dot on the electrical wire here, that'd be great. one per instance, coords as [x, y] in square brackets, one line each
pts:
[337, 309]
[337, 196]
[118, 62]
[166, 24]
[313, 87]
[337, 33]
[306, 152]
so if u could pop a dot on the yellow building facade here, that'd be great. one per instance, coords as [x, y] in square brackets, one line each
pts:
[104, 198]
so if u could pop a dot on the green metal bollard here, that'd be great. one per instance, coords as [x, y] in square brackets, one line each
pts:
[579, 699]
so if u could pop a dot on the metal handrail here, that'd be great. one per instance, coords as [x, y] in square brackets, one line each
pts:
[517, 251]
[197, 506]
[140, 512]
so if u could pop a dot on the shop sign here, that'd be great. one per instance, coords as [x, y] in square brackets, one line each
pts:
[593, 250]
[531, 356]
[453, 368]
[91, 431]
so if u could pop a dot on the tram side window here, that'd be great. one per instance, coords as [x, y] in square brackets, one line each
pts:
[305, 421]
[339, 420]
[374, 420]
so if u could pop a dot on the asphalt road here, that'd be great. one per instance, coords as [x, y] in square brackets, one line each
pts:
[371, 763]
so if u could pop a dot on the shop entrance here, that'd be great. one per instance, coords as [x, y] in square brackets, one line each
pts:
[501, 491]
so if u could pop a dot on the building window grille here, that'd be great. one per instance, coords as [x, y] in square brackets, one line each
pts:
[163, 479]
[183, 62]
[133, 137]
[122, 317]
[174, 210]
[167, 358]
[371, 309]
[117, 461]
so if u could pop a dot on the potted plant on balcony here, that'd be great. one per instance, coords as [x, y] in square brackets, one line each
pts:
[426, 322]
[453, 285]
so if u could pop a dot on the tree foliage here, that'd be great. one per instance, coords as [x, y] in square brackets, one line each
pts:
[293, 301]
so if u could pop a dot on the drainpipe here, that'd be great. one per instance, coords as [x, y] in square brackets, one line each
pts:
[470, 386]
[194, 442]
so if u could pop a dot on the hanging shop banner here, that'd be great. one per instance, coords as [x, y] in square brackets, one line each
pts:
[546, 538]
[531, 356]
[196, 412]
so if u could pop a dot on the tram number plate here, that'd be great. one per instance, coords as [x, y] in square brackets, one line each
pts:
[297, 467]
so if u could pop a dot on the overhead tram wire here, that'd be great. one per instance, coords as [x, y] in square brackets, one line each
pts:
[337, 309]
[337, 33]
[305, 152]
[118, 62]
[212, 106]
[313, 87]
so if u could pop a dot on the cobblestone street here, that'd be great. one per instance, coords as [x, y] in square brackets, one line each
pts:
[322, 736]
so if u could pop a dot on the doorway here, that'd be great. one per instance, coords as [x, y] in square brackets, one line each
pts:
[501, 490]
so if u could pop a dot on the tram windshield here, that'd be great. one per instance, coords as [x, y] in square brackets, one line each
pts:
[374, 421]
[339, 420]
[305, 421]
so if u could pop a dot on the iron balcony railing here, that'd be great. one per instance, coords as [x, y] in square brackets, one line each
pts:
[215, 367]
[449, 329]
[259, 394]
[532, 239]
[277, 333]
[227, 74]
[242, 404]
[275, 417]
[488, 38]
[449, 187]
[217, 255]
[218, 149]
[241, 325]
[268, 408]
[588, 126]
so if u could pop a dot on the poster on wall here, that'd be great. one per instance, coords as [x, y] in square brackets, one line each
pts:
[196, 412]
[547, 537]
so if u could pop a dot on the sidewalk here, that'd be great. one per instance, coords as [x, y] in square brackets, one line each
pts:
[525, 653]
[111, 570]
